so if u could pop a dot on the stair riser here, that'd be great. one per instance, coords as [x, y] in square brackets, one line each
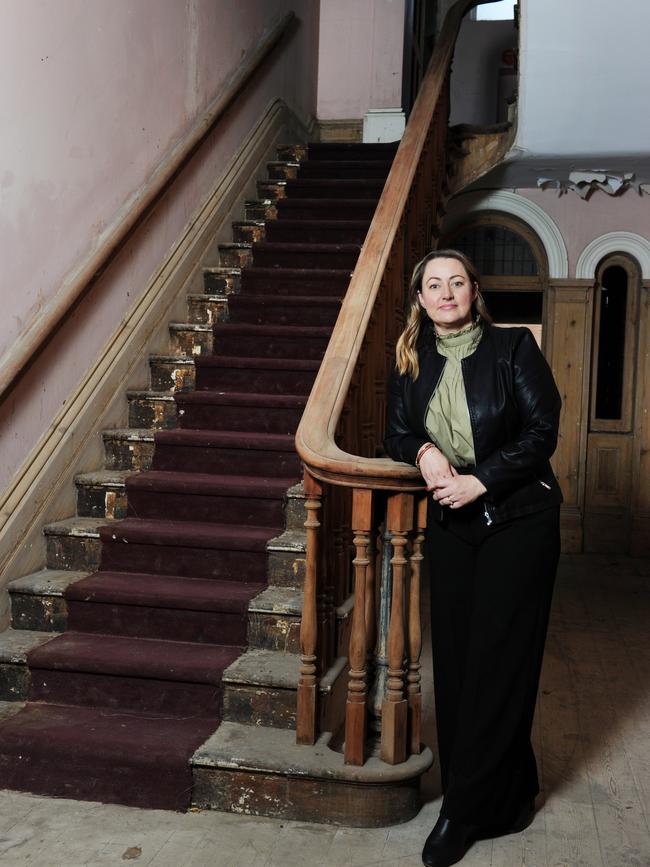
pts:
[14, 684]
[313, 283]
[189, 341]
[269, 257]
[261, 210]
[286, 569]
[239, 418]
[247, 234]
[149, 412]
[274, 632]
[250, 381]
[294, 153]
[220, 284]
[127, 455]
[101, 502]
[277, 231]
[39, 613]
[138, 621]
[281, 312]
[73, 553]
[142, 694]
[196, 459]
[206, 311]
[311, 189]
[171, 376]
[239, 346]
[273, 190]
[259, 706]
[280, 171]
[293, 209]
[352, 151]
[95, 779]
[296, 514]
[340, 170]
[234, 257]
[189, 562]
[193, 507]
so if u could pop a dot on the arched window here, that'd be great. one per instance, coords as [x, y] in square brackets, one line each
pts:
[614, 343]
[512, 264]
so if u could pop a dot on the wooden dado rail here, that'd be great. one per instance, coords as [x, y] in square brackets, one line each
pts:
[33, 339]
[358, 502]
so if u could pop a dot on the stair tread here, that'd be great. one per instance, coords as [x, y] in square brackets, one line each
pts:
[147, 393]
[135, 657]
[77, 526]
[229, 439]
[244, 329]
[212, 484]
[306, 247]
[165, 591]
[262, 299]
[132, 434]
[288, 222]
[45, 582]
[103, 478]
[191, 534]
[255, 363]
[174, 359]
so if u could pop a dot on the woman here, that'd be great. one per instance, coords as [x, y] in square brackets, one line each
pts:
[476, 409]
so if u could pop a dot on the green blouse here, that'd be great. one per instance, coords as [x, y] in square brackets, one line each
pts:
[447, 419]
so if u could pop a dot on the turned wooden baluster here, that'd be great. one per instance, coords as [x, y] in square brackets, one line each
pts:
[413, 688]
[306, 719]
[394, 711]
[355, 711]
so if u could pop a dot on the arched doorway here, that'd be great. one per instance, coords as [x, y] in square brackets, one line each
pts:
[513, 266]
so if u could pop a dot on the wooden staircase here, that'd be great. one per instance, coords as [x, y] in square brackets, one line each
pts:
[171, 602]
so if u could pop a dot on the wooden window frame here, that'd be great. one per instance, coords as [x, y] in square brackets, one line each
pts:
[625, 423]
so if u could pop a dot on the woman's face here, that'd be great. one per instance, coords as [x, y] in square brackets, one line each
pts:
[447, 294]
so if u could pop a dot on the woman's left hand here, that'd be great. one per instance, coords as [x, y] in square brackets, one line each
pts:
[458, 491]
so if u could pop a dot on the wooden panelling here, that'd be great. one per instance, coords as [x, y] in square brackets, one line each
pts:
[609, 471]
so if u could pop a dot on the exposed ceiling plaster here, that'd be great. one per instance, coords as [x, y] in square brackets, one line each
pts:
[584, 183]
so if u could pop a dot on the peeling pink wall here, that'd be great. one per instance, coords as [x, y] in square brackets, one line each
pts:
[580, 222]
[360, 57]
[92, 97]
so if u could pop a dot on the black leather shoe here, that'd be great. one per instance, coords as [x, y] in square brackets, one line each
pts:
[447, 843]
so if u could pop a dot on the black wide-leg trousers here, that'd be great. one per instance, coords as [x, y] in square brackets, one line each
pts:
[491, 591]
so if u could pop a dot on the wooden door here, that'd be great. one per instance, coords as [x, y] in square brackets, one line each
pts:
[614, 377]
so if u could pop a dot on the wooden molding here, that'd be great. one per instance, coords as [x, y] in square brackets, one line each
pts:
[42, 489]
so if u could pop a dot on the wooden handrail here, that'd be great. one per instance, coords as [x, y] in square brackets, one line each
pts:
[33, 339]
[315, 441]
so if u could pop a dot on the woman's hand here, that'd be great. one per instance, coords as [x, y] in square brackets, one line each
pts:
[435, 467]
[457, 491]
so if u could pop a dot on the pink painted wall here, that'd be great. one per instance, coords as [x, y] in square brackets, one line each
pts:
[360, 57]
[581, 221]
[93, 96]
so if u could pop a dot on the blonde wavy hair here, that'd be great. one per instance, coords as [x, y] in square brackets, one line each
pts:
[406, 350]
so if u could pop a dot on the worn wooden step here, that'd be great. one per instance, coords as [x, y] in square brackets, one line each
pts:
[207, 309]
[171, 373]
[15, 644]
[243, 768]
[282, 170]
[151, 409]
[292, 152]
[128, 448]
[274, 619]
[286, 558]
[191, 338]
[260, 689]
[73, 544]
[102, 494]
[37, 600]
[235, 255]
[221, 281]
[248, 231]
[260, 209]
[272, 190]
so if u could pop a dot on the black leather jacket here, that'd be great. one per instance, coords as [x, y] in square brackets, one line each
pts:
[514, 410]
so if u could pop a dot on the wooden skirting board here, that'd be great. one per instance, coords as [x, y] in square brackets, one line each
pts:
[43, 489]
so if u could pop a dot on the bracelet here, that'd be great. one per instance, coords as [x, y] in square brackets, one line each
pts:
[421, 452]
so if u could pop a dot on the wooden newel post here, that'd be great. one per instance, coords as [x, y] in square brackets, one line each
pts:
[355, 709]
[306, 713]
[413, 688]
[394, 709]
